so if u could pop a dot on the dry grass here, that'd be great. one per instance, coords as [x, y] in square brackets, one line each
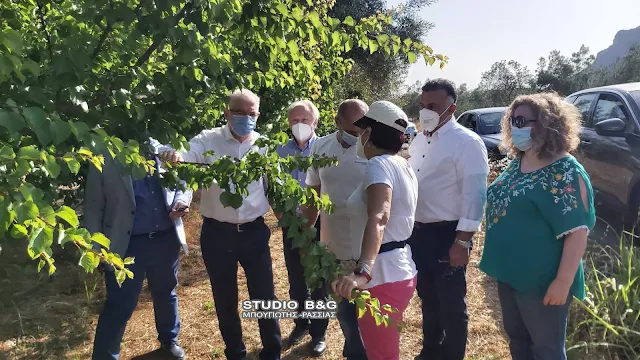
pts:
[57, 319]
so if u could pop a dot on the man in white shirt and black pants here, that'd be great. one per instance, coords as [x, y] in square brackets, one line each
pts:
[339, 182]
[232, 235]
[451, 164]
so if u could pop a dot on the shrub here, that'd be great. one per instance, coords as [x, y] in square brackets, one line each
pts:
[606, 324]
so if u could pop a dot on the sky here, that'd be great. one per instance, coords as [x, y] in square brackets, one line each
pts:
[474, 34]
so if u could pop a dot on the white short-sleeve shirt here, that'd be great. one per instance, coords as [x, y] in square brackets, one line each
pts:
[395, 265]
[338, 182]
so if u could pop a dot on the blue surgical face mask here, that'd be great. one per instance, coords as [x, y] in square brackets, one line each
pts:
[521, 138]
[348, 138]
[243, 125]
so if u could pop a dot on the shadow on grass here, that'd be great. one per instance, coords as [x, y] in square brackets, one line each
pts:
[44, 317]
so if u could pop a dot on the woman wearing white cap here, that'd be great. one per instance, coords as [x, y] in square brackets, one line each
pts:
[381, 212]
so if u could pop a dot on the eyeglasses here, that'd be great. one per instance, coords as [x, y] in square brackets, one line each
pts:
[241, 112]
[520, 121]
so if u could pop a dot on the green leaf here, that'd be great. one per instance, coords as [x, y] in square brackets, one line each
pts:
[29, 153]
[69, 215]
[315, 19]
[349, 21]
[61, 130]
[79, 129]
[26, 211]
[361, 305]
[128, 261]
[12, 40]
[229, 199]
[47, 213]
[63, 239]
[412, 57]
[18, 231]
[73, 164]
[52, 166]
[297, 14]
[282, 8]
[32, 66]
[41, 264]
[7, 153]
[40, 240]
[89, 261]
[12, 121]
[120, 276]
[37, 120]
[373, 46]
[100, 239]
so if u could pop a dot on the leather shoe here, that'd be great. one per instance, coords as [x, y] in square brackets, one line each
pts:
[296, 336]
[318, 347]
[173, 351]
[420, 357]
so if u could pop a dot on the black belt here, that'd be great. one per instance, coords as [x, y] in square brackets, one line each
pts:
[155, 234]
[392, 245]
[236, 227]
[420, 225]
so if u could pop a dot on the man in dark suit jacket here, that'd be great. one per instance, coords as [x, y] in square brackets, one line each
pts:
[143, 220]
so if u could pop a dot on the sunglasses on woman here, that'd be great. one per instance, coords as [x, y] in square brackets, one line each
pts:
[519, 121]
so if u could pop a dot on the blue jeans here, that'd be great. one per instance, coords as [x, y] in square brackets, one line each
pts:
[348, 318]
[157, 259]
[536, 331]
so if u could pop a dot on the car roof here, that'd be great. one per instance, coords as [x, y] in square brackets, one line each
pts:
[618, 87]
[487, 110]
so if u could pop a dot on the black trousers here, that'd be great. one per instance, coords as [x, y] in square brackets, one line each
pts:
[223, 246]
[443, 290]
[298, 289]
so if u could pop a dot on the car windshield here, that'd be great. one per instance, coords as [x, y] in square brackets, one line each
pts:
[411, 128]
[490, 123]
[636, 96]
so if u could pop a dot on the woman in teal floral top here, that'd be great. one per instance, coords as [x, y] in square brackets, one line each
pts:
[539, 213]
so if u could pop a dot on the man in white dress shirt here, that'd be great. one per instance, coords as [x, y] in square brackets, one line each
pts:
[233, 235]
[451, 164]
[339, 182]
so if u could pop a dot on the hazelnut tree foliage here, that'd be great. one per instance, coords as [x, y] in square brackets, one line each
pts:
[85, 79]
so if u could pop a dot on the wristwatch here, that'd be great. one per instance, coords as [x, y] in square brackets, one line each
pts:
[464, 244]
[361, 270]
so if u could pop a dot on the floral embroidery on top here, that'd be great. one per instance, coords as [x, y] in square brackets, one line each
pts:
[556, 178]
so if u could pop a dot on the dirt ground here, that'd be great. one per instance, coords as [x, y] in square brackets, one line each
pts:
[57, 318]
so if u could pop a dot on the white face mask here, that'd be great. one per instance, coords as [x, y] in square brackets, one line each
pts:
[429, 119]
[360, 148]
[302, 131]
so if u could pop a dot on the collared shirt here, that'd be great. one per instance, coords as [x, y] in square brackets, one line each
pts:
[151, 212]
[339, 182]
[222, 142]
[452, 168]
[291, 149]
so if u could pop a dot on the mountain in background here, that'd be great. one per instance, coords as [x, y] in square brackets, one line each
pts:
[622, 43]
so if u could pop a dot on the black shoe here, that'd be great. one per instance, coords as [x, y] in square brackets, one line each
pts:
[172, 351]
[318, 347]
[296, 336]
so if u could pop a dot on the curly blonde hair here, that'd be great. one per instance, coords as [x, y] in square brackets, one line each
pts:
[557, 128]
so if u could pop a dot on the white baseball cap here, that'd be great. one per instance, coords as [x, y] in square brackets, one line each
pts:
[387, 113]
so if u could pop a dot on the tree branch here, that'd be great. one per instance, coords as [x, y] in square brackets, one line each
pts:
[156, 43]
[44, 27]
[104, 35]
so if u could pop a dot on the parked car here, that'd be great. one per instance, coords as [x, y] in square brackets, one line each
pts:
[410, 133]
[486, 123]
[610, 145]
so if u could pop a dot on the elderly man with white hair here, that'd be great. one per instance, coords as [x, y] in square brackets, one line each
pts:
[303, 119]
[233, 235]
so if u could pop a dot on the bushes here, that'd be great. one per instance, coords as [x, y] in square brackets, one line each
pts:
[606, 325]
